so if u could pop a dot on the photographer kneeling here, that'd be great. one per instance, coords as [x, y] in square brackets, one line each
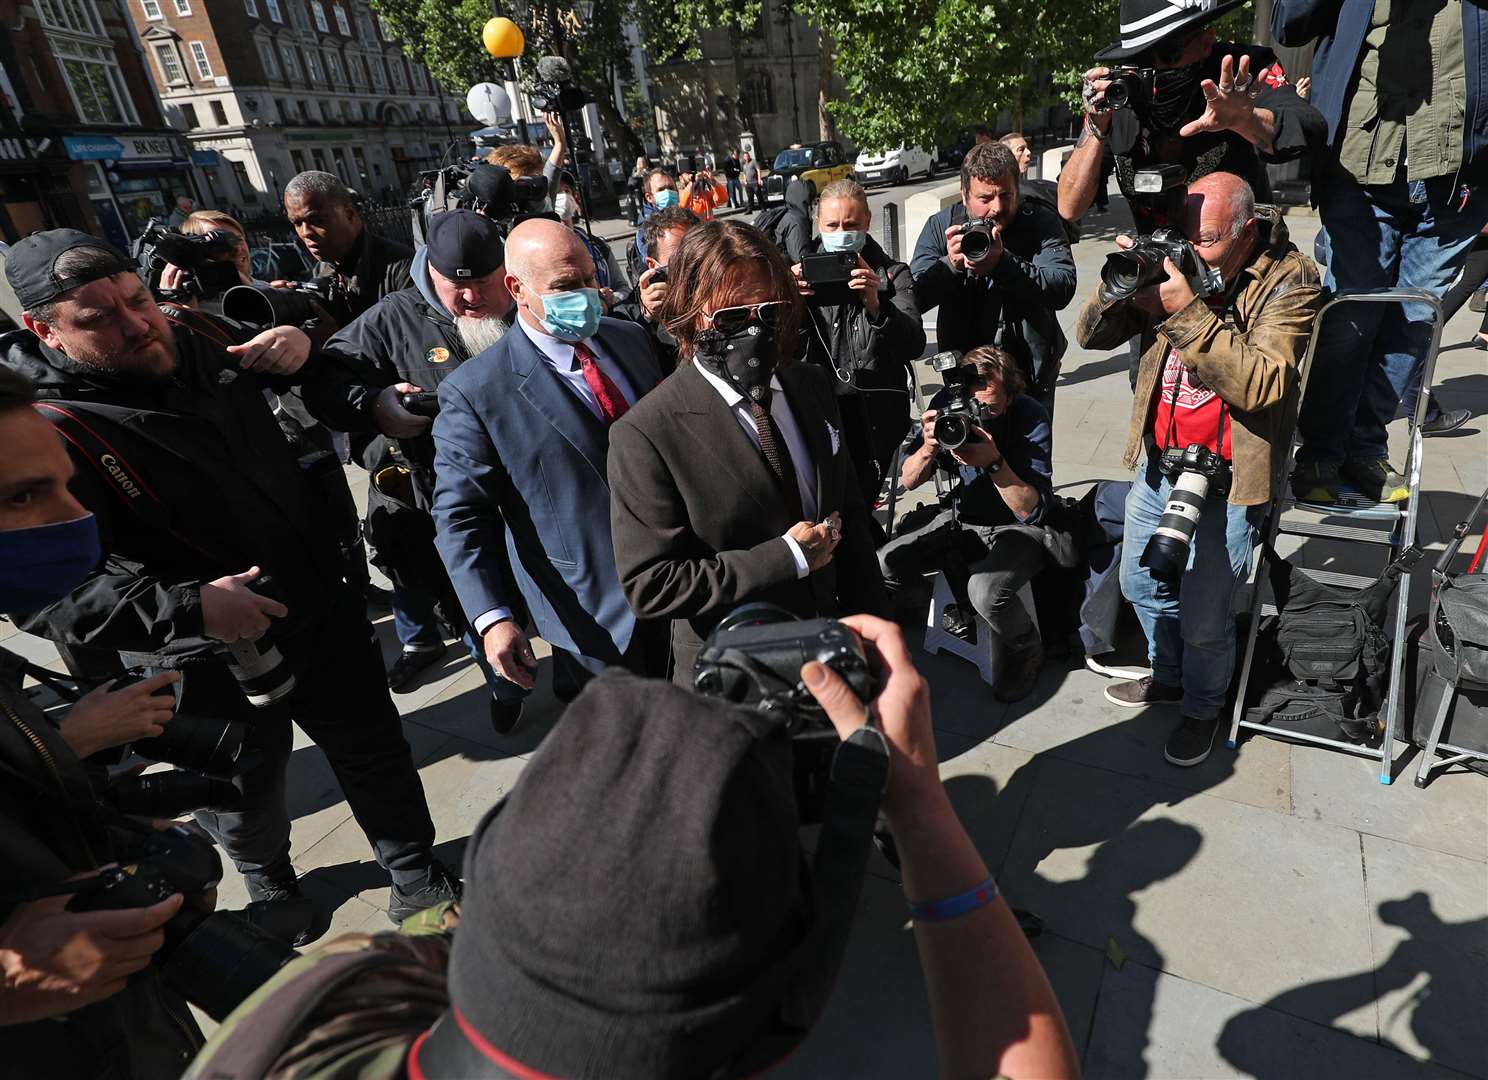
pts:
[989, 539]
[77, 994]
[1232, 308]
[863, 326]
[678, 844]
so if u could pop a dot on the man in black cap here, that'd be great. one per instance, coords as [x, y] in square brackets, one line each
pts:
[200, 502]
[1176, 96]
[405, 345]
[661, 919]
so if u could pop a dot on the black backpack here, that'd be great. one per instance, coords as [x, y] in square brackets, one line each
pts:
[1325, 654]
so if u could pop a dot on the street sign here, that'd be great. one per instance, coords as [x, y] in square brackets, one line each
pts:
[489, 104]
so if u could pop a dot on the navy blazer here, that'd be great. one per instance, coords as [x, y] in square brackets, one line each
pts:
[521, 499]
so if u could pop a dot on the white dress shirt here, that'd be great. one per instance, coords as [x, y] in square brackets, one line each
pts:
[560, 357]
[785, 423]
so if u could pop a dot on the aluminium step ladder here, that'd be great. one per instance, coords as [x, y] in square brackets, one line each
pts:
[1389, 527]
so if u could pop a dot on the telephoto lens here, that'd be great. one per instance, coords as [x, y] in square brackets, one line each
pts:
[264, 305]
[1193, 471]
[1135, 268]
[258, 665]
[171, 794]
[203, 743]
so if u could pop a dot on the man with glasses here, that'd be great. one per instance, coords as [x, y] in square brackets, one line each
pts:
[1185, 100]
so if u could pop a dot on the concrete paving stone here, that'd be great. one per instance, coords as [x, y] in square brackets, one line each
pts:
[1450, 814]
[1153, 1024]
[1219, 892]
[1075, 971]
[1429, 931]
[1075, 722]
[37, 650]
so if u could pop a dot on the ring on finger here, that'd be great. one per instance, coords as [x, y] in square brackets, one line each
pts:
[1244, 85]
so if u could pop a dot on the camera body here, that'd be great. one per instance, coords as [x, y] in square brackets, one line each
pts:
[753, 659]
[205, 272]
[214, 960]
[956, 420]
[203, 743]
[976, 238]
[1141, 265]
[1196, 473]
[420, 402]
[1131, 87]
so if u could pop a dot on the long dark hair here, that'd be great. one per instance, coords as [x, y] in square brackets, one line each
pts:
[709, 265]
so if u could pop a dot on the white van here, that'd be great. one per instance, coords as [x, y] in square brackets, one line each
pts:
[894, 166]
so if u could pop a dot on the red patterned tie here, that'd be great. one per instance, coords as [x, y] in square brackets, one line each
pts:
[611, 401]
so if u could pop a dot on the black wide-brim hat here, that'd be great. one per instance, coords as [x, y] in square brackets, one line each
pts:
[1144, 23]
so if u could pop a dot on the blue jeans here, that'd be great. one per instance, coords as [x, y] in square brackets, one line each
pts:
[1190, 629]
[1371, 357]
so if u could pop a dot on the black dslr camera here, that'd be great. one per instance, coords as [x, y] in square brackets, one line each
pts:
[207, 744]
[753, 658]
[212, 960]
[265, 306]
[205, 261]
[1142, 264]
[976, 239]
[956, 421]
[421, 402]
[1196, 472]
[1131, 87]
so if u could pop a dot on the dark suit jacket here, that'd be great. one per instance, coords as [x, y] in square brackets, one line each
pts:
[699, 523]
[521, 502]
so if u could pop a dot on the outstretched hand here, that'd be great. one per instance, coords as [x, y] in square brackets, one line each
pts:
[1229, 105]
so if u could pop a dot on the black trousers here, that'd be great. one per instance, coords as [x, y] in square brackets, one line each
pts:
[341, 701]
[1474, 273]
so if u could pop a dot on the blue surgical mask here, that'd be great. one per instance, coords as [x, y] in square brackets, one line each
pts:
[845, 240]
[572, 315]
[42, 564]
[667, 199]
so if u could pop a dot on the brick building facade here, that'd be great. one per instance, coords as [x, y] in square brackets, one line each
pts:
[83, 142]
[264, 89]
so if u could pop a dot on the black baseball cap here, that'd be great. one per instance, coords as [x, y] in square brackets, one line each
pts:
[464, 245]
[30, 265]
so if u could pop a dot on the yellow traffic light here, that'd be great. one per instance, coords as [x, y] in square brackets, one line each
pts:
[502, 38]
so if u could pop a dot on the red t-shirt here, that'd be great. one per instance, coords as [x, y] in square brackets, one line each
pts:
[1195, 419]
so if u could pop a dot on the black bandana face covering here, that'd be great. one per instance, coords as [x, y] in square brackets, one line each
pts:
[746, 360]
[1173, 90]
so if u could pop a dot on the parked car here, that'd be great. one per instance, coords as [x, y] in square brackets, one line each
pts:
[817, 164]
[895, 166]
[950, 157]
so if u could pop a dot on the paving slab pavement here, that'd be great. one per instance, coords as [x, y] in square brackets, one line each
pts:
[1276, 912]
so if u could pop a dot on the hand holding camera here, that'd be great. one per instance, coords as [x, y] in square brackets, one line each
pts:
[1161, 273]
[232, 611]
[55, 961]
[864, 282]
[393, 417]
[818, 540]
[652, 288]
[107, 717]
[980, 451]
[1093, 91]
[974, 247]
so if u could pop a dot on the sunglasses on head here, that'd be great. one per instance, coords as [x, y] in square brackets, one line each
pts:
[731, 320]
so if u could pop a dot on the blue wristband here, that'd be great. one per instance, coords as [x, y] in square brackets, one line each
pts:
[953, 907]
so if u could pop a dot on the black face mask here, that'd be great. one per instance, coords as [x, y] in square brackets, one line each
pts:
[1173, 90]
[745, 360]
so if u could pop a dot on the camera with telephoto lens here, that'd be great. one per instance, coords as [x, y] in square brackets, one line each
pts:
[976, 239]
[420, 402]
[258, 665]
[204, 743]
[214, 960]
[1141, 265]
[171, 794]
[205, 261]
[1196, 472]
[1131, 87]
[753, 658]
[265, 306]
[956, 420]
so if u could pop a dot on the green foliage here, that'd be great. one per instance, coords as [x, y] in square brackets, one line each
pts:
[445, 36]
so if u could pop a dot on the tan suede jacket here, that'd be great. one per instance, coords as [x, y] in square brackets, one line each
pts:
[1250, 357]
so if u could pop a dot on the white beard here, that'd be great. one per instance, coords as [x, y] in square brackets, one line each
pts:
[480, 334]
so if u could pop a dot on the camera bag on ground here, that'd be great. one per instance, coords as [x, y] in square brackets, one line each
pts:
[1324, 654]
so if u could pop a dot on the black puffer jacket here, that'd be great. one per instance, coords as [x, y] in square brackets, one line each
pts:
[50, 831]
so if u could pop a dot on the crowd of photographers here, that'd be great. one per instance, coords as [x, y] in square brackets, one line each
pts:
[665, 470]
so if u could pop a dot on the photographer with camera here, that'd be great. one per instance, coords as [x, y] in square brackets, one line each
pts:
[862, 326]
[732, 481]
[1231, 303]
[387, 366]
[197, 494]
[722, 937]
[360, 266]
[663, 231]
[988, 534]
[77, 994]
[1176, 104]
[658, 192]
[998, 267]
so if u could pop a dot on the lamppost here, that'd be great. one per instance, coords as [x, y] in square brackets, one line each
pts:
[504, 41]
